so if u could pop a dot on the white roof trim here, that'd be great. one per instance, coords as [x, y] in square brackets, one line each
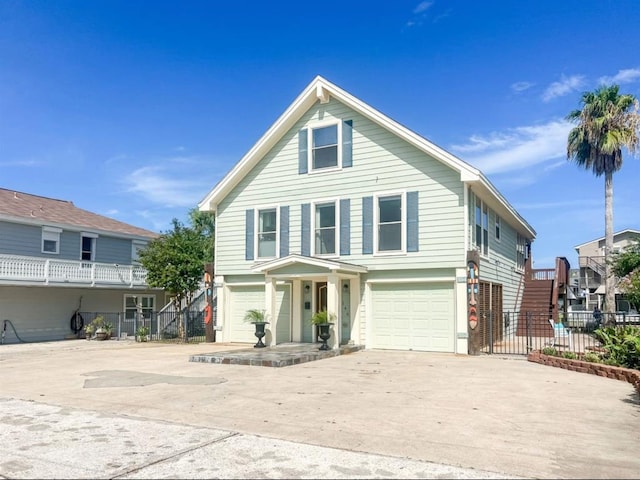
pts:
[321, 89]
[311, 261]
[629, 230]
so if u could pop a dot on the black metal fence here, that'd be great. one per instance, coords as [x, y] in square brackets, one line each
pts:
[519, 333]
[159, 326]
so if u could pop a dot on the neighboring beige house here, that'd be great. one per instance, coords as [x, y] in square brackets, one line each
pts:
[588, 281]
[338, 206]
[56, 258]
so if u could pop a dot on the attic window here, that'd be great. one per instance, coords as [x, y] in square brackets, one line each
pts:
[324, 151]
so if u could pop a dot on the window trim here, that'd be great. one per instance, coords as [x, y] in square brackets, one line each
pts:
[256, 231]
[317, 125]
[50, 232]
[336, 207]
[403, 223]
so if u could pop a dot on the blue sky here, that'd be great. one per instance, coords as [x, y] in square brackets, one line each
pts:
[136, 109]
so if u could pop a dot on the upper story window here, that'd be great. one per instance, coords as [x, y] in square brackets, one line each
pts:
[498, 228]
[267, 232]
[88, 246]
[136, 246]
[324, 151]
[481, 238]
[325, 229]
[390, 223]
[51, 240]
[521, 248]
[325, 146]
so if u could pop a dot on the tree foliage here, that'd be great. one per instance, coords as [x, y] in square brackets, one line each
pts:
[607, 123]
[175, 262]
[205, 224]
[626, 261]
[626, 266]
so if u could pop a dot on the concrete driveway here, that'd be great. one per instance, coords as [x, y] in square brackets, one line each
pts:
[370, 414]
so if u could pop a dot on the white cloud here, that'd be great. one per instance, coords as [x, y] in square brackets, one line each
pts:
[563, 87]
[174, 181]
[422, 7]
[419, 14]
[21, 163]
[578, 204]
[517, 148]
[164, 186]
[628, 75]
[521, 86]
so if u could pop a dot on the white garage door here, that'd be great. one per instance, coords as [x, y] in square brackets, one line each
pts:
[413, 316]
[246, 298]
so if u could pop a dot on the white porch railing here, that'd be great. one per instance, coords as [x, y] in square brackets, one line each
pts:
[51, 271]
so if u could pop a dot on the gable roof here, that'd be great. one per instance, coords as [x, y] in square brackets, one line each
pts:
[322, 90]
[23, 207]
[294, 259]
[600, 239]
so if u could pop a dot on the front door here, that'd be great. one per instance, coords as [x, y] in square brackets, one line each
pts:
[321, 301]
[321, 296]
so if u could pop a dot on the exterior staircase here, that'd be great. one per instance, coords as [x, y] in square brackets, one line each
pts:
[542, 288]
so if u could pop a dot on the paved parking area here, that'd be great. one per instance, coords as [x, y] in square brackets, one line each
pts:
[118, 409]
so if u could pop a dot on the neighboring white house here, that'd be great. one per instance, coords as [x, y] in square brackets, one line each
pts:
[339, 207]
[588, 281]
[56, 259]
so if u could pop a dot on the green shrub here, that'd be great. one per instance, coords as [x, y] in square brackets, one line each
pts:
[592, 357]
[550, 351]
[621, 344]
[569, 355]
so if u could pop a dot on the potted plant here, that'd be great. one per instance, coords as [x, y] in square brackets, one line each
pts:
[259, 319]
[89, 330]
[323, 320]
[142, 334]
[100, 330]
[108, 328]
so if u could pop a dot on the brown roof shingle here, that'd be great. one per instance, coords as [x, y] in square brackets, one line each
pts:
[50, 210]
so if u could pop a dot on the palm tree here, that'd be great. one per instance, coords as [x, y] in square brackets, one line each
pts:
[607, 123]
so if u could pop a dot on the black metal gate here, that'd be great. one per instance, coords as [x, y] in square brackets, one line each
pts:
[519, 333]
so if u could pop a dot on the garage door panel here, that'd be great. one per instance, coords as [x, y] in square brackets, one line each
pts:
[241, 300]
[413, 317]
[253, 297]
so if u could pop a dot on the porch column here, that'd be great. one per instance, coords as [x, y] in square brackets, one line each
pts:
[333, 306]
[270, 309]
[296, 311]
[354, 288]
[223, 324]
[461, 317]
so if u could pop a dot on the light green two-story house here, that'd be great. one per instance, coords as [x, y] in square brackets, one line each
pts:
[339, 207]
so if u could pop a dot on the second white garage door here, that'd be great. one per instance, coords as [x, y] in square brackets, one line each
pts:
[413, 316]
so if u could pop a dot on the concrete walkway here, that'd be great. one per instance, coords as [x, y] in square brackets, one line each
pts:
[118, 409]
[283, 355]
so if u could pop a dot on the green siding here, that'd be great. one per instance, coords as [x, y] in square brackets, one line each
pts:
[382, 162]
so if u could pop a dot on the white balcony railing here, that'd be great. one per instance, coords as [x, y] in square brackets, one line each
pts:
[51, 271]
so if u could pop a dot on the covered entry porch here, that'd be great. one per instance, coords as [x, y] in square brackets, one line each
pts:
[315, 284]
